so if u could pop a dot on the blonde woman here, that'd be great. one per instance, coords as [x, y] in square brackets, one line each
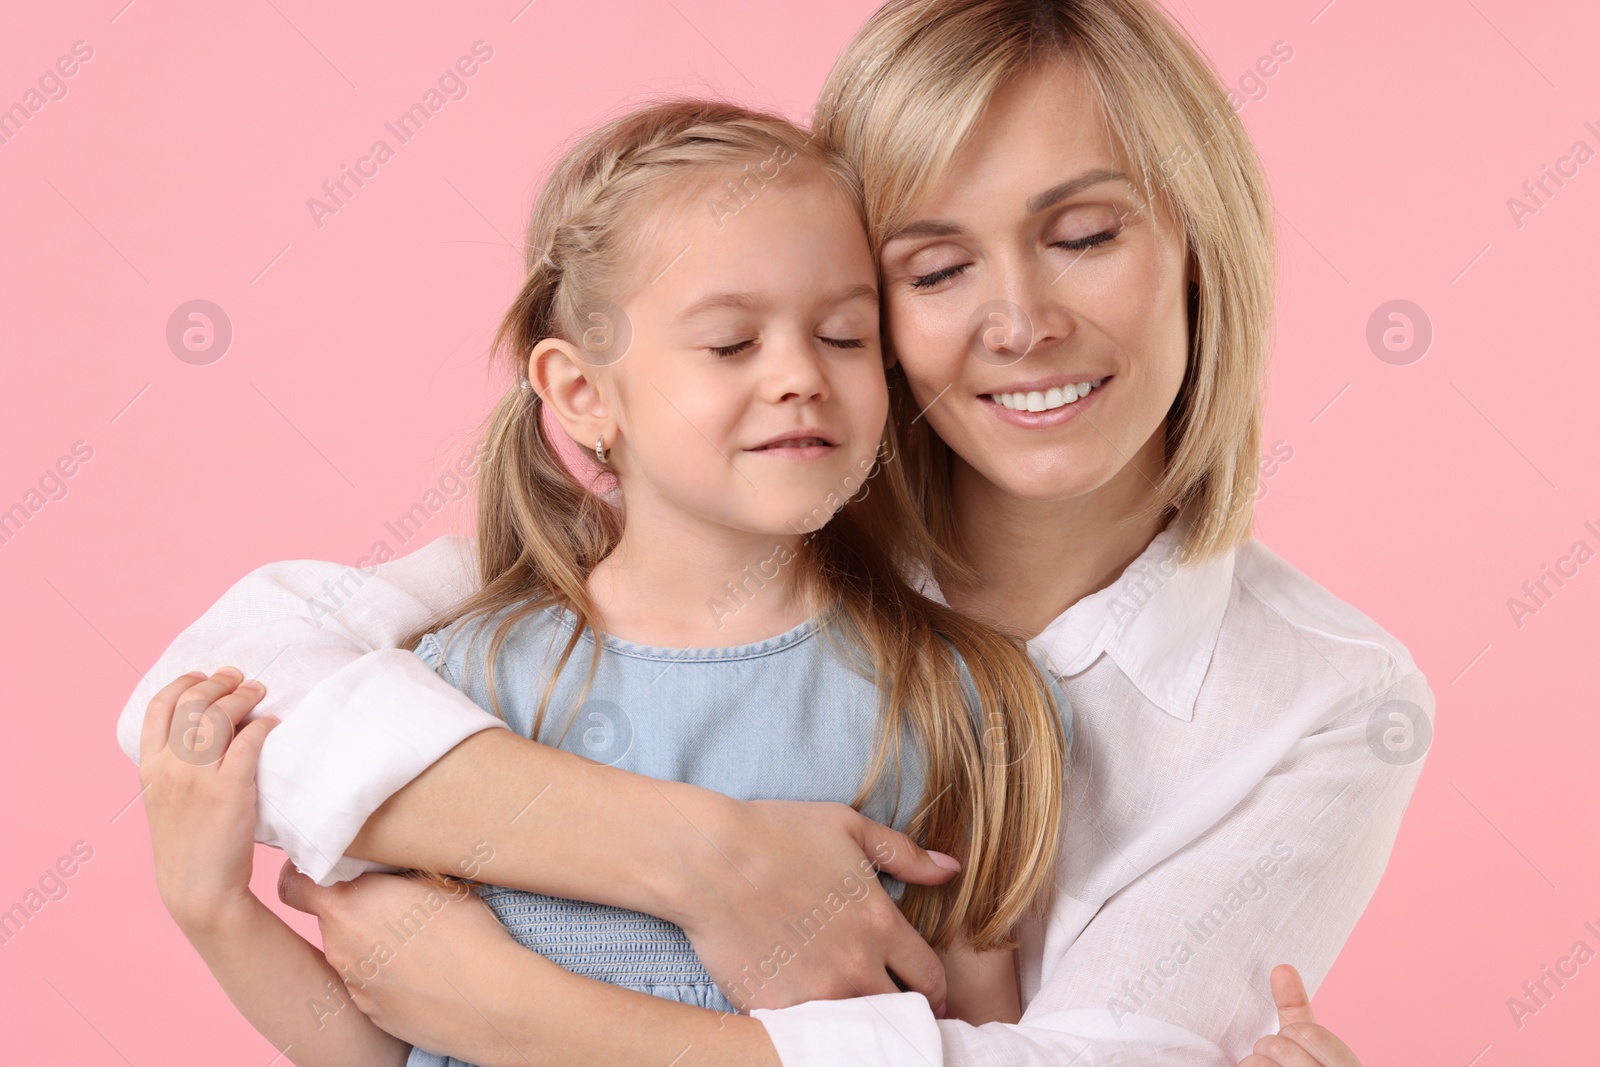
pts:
[1062, 202]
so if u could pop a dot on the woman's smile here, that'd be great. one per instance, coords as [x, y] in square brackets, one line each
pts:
[1036, 405]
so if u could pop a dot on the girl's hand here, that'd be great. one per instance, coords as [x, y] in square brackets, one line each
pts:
[1300, 1041]
[200, 793]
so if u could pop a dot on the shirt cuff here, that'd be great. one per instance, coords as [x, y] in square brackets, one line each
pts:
[355, 740]
[888, 1030]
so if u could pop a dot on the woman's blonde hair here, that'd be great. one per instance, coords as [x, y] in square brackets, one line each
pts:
[915, 82]
[994, 774]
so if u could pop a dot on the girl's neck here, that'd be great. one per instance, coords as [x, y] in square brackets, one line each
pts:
[674, 583]
[1035, 559]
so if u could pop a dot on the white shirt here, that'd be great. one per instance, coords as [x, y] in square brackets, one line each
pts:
[1239, 771]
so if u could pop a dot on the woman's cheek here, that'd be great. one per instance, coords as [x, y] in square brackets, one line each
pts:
[928, 346]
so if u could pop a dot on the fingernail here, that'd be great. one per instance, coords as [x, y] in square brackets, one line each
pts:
[949, 863]
[232, 672]
[253, 684]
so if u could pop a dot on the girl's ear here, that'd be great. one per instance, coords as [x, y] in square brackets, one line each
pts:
[569, 385]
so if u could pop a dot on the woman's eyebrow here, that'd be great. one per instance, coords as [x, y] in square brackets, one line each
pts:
[926, 228]
[1037, 203]
[1057, 193]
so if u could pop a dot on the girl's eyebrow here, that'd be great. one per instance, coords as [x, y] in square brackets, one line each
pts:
[1037, 203]
[720, 301]
[754, 302]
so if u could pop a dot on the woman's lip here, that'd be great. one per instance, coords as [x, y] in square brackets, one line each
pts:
[1044, 385]
[1043, 420]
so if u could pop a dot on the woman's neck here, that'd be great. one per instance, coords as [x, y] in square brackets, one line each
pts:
[675, 583]
[1035, 559]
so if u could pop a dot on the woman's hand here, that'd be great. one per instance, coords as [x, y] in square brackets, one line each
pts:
[412, 954]
[439, 971]
[1300, 1041]
[200, 794]
[803, 876]
[740, 877]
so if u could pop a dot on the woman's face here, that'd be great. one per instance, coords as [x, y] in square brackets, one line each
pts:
[1032, 274]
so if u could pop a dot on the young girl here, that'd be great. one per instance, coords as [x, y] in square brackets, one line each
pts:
[701, 306]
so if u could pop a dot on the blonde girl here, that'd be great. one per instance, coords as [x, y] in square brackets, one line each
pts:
[700, 310]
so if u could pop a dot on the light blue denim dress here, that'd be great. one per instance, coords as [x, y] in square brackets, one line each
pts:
[788, 718]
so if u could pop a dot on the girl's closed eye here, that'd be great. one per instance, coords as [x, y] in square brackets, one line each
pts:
[723, 351]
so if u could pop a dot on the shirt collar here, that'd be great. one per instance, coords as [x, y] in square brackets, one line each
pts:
[1158, 622]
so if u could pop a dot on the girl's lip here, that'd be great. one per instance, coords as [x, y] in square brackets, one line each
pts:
[1043, 420]
[790, 452]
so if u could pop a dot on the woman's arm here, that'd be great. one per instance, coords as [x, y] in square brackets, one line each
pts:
[468, 990]
[379, 761]
[1155, 979]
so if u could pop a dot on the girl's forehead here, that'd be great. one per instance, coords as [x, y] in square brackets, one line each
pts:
[730, 232]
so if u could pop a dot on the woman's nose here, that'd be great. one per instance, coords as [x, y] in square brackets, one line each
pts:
[1026, 311]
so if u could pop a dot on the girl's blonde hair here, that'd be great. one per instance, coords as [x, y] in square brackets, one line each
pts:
[994, 774]
[916, 81]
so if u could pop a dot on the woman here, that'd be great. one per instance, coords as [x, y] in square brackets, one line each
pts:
[1059, 195]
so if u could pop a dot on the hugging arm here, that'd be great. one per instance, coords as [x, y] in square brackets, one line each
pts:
[1324, 817]
[378, 761]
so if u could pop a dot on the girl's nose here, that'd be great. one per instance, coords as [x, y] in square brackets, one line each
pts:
[794, 371]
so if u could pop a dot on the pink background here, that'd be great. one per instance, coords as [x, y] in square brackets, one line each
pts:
[178, 167]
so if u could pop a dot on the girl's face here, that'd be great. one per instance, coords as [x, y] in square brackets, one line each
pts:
[753, 392]
[1037, 304]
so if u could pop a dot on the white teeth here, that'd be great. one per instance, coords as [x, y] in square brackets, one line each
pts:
[1057, 397]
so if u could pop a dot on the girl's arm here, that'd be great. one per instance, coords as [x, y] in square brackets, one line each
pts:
[379, 761]
[200, 796]
[288, 991]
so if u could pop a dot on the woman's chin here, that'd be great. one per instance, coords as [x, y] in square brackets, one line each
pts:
[1051, 479]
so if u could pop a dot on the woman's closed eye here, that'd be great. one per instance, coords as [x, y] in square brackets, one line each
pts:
[1083, 244]
[944, 274]
[1076, 244]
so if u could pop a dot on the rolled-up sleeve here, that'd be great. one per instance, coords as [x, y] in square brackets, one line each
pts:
[360, 717]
